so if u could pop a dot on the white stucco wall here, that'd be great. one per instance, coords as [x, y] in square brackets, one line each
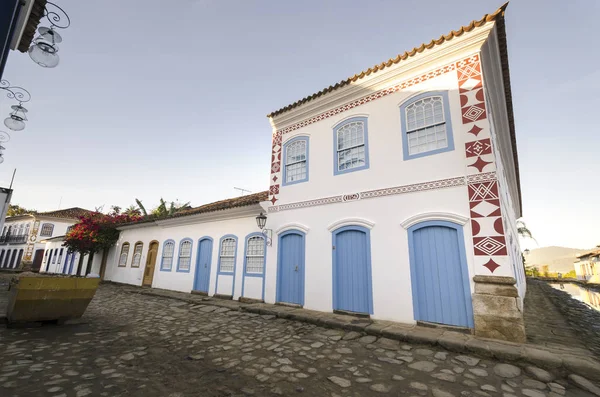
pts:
[184, 281]
[390, 266]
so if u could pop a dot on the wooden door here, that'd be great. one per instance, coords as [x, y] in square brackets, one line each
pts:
[102, 264]
[290, 274]
[352, 290]
[150, 264]
[37, 260]
[439, 274]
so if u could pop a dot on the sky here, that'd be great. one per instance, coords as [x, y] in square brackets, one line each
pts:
[159, 99]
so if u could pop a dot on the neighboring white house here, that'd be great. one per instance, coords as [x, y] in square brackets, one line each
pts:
[587, 266]
[22, 239]
[393, 194]
[57, 259]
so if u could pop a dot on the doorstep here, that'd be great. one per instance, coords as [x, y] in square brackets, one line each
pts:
[544, 357]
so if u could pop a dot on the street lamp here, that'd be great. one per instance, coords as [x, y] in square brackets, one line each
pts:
[44, 48]
[16, 120]
[261, 221]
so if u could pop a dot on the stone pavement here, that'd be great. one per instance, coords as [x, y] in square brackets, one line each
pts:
[580, 325]
[544, 323]
[132, 344]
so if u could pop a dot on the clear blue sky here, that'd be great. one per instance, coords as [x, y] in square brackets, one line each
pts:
[156, 98]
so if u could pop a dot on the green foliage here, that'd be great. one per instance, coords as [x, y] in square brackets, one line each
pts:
[531, 271]
[523, 231]
[14, 210]
[570, 274]
[141, 207]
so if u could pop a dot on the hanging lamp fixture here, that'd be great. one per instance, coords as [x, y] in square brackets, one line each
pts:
[44, 48]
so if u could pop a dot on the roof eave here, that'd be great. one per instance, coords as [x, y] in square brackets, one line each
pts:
[392, 61]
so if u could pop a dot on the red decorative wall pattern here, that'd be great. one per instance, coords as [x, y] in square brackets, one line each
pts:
[484, 201]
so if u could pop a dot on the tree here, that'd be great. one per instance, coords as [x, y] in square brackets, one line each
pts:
[162, 210]
[523, 231]
[14, 210]
[96, 232]
[132, 210]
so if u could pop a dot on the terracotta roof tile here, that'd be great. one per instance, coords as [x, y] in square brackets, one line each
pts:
[241, 201]
[68, 213]
[499, 13]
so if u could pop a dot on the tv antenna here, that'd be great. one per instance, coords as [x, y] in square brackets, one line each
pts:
[242, 191]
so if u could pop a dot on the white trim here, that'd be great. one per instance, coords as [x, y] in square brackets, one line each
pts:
[294, 135]
[353, 115]
[351, 222]
[434, 216]
[292, 226]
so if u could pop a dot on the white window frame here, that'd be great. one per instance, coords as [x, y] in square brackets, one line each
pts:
[232, 256]
[136, 260]
[255, 237]
[124, 254]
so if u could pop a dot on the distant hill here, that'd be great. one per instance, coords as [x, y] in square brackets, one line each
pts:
[558, 259]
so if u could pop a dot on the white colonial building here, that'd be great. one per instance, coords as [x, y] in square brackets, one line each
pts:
[393, 194]
[23, 237]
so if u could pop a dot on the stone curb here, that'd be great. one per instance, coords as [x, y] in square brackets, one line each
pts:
[553, 359]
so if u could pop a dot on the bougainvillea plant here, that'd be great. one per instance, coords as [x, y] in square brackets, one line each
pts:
[96, 231]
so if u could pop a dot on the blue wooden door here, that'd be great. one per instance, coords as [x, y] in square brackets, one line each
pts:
[439, 274]
[203, 263]
[352, 289]
[290, 268]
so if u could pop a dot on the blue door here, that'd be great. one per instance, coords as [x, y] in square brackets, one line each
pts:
[290, 268]
[203, 262]
[439, 274]
[352, 289]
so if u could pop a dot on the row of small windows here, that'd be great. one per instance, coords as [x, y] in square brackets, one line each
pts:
[16, 230]
[425, 130]
[255, 255]
[137, 254]
[23, 230]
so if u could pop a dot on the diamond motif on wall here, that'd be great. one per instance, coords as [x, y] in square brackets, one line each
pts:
[489, 245]
[475, 130]
[491, 265]
[471, 84]
[273, 200]
[274, 189]
[275, 167]
[482, 209]
[478, 148]
[480, 164]
[473, 113]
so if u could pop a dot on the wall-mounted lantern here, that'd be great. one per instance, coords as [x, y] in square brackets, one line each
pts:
[44, 48]
[261, 221]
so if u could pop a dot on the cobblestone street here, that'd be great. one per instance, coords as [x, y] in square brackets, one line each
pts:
[130, 344]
